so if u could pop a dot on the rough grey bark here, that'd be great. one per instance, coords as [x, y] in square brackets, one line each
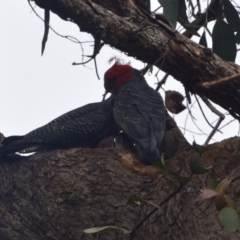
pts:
[55, 195]
[123, 25]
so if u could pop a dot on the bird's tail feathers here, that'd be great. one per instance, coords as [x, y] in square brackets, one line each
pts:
[11, 139]
[147, 151]
[16, 144]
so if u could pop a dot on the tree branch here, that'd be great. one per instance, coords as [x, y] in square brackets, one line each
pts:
[222, 81]
[123, 26]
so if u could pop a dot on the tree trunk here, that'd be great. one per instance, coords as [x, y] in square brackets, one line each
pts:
[58, 194]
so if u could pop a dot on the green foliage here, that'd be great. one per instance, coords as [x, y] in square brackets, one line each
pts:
[199, 148]
[211, 184]
[159, 164]
[170, 10]
[231, 15]
[222, 186]
[224, 41]
[182, 10]
[225, 33]
[132, 199]
[203, 40]
[106, 229]
[228, 215]
[229, 219]
[140, 202]
[233, 19]
[196, 165]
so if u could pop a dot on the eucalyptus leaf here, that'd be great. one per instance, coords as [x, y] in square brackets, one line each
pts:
[106, 229]
[205, 194]
[237, 37]
[170, 10]
[197, 166]
[203, 40]
[139, 201]
[182, 10]
[46, 28]
[231, 15]
[159, 164]
[224, 41]
[229, 219]
[212, 184]
[222, 186]
[199, 148]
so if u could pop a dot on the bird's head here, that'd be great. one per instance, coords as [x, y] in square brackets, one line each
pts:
[116, 76]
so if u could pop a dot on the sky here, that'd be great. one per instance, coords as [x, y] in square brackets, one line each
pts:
[36, 89]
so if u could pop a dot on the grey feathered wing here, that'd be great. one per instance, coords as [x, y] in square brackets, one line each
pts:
[140, 112]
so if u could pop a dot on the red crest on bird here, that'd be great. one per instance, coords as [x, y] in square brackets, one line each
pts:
[117, 75]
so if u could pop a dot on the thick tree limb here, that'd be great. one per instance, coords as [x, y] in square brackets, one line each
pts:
[123, 26]
[56, 195]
